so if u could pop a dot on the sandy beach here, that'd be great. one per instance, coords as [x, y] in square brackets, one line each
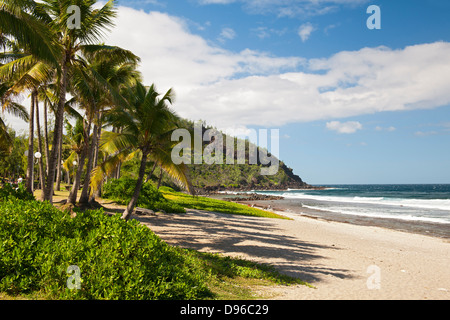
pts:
[342, 261]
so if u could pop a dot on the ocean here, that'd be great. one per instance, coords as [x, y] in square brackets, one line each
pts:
[423, 208]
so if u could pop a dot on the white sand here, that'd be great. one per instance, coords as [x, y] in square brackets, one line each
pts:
[334, 257]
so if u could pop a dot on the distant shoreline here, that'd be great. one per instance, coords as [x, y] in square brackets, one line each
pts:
[278, 203]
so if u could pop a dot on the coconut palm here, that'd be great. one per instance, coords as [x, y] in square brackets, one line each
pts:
[146, 124]
[99, 87]
[44, 30]
[72, 40]
[22, 29]
[24, 73]
[20, 20]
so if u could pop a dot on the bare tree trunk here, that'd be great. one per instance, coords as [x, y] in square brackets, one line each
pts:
[41, 159]
[129, 210]
[47, 195]
[30, 167]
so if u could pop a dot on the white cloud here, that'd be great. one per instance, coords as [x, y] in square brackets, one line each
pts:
[346, 127]
[389, 129]
[255, 88]
[229, 89]
[425, 134]
[264, 32]
[305, 30]
[227, 34]
[289, 8]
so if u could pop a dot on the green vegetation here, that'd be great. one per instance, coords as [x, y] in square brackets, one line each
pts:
[121, 190]
[215, 205]
[118, 259]
[47, 59]
[19, 192]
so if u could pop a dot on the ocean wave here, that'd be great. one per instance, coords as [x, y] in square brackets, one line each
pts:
[436, 204]
[376, 214]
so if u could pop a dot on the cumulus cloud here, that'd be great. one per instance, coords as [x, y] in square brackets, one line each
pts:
[247, 88]
[346, 127]
[256, 88]
[305, 31]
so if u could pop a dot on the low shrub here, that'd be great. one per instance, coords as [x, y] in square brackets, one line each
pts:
[117, 259]
[121, 190]
[20, 192]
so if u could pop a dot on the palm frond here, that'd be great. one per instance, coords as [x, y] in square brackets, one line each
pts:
[16, 110]
[115, 142]
[107, 167]
[28, 30]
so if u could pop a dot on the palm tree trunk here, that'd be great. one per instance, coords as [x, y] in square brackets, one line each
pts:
[58, 164]
[77, 179]
[97, 193]
[160, 177]
[47, 195]
[38, 127]
[151, 172]
[84, 197]
[30, 167]
[46, 135]
[129, 210]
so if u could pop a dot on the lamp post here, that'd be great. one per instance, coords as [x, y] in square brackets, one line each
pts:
[38, 156]
[74, 165]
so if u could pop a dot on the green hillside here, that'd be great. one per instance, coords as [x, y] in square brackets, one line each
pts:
[215, 177]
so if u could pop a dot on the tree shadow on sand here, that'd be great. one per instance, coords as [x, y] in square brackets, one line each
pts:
[256, 239]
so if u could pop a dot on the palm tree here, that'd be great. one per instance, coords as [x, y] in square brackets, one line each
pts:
[71, 40]
[20, 19]
[147, 123]
[24, 73]
[98, 86]
[43, 29]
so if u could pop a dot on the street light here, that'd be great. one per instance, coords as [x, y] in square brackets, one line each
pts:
[74, 165]
[38, 155]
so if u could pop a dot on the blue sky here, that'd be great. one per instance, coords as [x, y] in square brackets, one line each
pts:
[353, 105]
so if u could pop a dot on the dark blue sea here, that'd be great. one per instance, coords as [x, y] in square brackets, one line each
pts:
[422, 207]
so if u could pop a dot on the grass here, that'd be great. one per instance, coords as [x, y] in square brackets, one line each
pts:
[238, 279]
[215, 205]
[225, 278]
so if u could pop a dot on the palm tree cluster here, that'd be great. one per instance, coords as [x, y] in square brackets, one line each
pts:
[68, 69]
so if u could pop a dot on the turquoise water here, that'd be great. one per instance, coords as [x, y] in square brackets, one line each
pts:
[428, 203]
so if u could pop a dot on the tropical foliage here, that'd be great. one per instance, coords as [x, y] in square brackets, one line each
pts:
[121, 190]
[116, 259]
[46, 56]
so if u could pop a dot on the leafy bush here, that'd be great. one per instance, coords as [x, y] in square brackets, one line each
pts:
[121, 190]
[20, 192]
[117, 259]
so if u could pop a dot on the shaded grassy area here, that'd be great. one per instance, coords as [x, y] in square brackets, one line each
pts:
[215, 205]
